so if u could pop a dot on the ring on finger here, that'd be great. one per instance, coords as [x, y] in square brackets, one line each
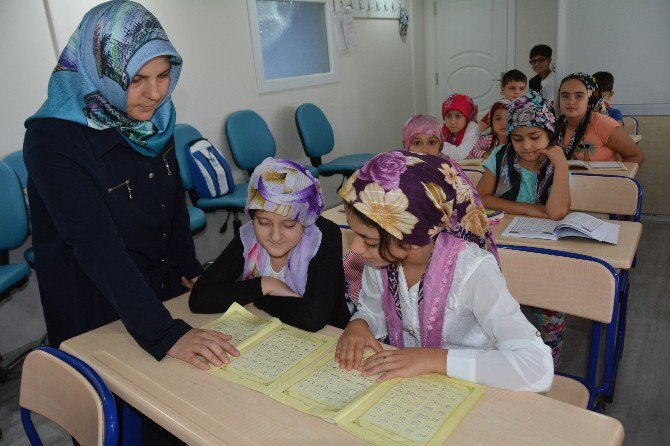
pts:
[385, 358]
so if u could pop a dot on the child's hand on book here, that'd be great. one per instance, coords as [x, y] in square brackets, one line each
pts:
[405, 362]
[209, 344]
[350, 346]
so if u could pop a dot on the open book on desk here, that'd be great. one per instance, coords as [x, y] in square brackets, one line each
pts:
[596, 165]
[298, 369]
[575, 224]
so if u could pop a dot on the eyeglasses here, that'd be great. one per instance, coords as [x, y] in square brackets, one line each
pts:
[537, 60]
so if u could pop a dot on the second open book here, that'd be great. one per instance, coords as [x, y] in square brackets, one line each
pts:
[297, 368]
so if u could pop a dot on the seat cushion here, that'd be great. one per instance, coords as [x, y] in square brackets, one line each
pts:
[29, 255]
[235, 200]
[345, 165]
[313, 170]
[11, 274]
[196, 218]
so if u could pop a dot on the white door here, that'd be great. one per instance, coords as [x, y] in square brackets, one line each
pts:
[472, 48]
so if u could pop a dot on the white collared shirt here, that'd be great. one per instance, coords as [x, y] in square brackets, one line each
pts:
[489, 339]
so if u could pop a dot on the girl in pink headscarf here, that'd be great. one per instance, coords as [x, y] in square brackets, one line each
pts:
[460, 129]
[422, 134]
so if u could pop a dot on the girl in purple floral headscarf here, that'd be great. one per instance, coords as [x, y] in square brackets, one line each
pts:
[432, 283]
[288, 259]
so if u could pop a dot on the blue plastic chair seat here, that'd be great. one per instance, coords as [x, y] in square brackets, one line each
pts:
[313, 170]
[29, 255]
[11, 274]
[238, 199]
[196, 218]
[345, 164]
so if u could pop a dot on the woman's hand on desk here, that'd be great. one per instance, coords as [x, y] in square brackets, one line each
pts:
[188, 283]
[210, 344]
[405, 362]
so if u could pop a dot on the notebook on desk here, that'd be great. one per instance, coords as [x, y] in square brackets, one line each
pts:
[575, 224]
[596, 165]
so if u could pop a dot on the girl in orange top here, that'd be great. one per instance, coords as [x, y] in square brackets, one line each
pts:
[586, 134]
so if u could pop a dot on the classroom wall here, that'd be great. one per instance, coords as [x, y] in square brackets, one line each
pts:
[382, 83]
[629, 39]
[535, 24]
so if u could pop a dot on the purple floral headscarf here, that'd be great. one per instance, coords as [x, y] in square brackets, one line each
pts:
[414, 197]
[420, 199]
[421, 124]
[285, 188]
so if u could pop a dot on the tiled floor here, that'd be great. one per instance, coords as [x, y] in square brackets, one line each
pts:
[642, 393]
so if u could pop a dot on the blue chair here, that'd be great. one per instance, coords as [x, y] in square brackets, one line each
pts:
[316, 135]
[13, 229]
[574, 284]
[184, 135]
[15, 161]
[67, 391]
[251, 141]
[13, 232]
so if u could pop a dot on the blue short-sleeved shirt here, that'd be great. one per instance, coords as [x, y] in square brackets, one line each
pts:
[528, 178]
[615, 114]
[528, 184]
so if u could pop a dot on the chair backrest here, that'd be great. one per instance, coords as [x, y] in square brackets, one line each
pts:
[606, 194]
[474, 175]
[184, 135]
[631, 125]
[249, 138]
[13, 218]
[560, 281]
[67, 391]
[15, 161]
[316, 133]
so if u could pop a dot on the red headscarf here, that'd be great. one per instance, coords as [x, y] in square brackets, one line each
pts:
[464, 104]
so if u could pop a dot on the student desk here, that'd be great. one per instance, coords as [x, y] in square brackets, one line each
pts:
[201, 408]
[632, 168]
[619, 256]
[630, 172]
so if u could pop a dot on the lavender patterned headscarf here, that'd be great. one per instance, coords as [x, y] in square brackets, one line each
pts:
[420, 199]
[288, 189]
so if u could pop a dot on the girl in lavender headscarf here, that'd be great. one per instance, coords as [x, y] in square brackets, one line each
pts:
[287, 260]
[432, 283]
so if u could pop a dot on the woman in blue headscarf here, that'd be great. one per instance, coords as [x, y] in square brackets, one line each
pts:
[110, 225]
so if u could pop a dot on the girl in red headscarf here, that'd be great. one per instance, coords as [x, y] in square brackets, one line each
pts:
[460, 129]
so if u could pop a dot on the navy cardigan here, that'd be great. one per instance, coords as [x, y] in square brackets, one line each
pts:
[110, 231]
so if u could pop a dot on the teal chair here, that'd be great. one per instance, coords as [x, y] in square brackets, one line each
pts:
[318, 140]
[251, 141]
[13, 232]
[15, 161]
[184, 135]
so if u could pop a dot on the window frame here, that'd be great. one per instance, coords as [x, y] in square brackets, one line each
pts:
[288, 83]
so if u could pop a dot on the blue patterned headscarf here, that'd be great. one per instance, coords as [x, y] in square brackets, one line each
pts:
[90, 83]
